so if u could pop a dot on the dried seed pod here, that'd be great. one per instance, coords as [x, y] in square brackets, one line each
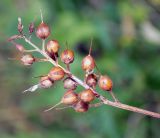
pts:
[81, 106]
[69, 83]
[67, 56]
[56, 73]
[46, 82]
[43, 31]
[105, 83]
[91, 80]
[69, 98]
[27, 60]
[20, 25]
[52, 46]
[88, 63]
[31, 27]
[87, 95]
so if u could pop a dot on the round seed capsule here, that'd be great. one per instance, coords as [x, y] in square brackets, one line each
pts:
[27, 60]
[91, 80]
[43, 31]
[88, 63]
[70, 98]
[69, 83]
[46, 82]
[81, 107]
[87, 95]
[67, 56]
[105, 83]
[52, 46]
[56, 73]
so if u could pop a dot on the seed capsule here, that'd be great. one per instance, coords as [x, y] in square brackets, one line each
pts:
[70, 97]
[43, 31]
[67, 56]
[81, 106]
[56, 73]
[20, 25]
[27, 60]
[69, 83]
[88, 63]
[45, 82]
[87, 95]
[105, 83]
[91, 80]
[52, 46]
[31, 28]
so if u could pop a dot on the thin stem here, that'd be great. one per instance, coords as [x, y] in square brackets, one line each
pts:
[41, 16]
[68, 67]
[43, 45]
[39, 76]
[52, 107]
[96, 104]
[90, 49]
[98, 70]
[85, 78]
[66, 45]
[28, 51]
[113, 96]
[30, 36]
[100, 97]
[61, 108]
[41, 59]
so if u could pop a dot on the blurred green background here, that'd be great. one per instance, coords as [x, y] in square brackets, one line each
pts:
[126, 46]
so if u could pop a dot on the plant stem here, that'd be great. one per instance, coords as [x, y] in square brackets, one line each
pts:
[28, 51]
[113, 96]
[43, 45]
[131, 108]
[100, 97]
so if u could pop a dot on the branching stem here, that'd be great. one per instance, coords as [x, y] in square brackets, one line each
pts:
[100, 97]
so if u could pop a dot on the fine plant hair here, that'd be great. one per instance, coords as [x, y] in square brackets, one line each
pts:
[78, 101]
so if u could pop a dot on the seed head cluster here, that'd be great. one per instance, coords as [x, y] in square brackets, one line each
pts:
[79, 101]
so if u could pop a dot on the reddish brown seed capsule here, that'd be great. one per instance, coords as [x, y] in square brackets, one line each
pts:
[105, 83]
[69, 83]
[88, 63]
[86, 95]
[27, 60]
[52, 46]
[81, 106]
[43, 31]
[91, 80]
[67, 56]
[56, 73]
[70, 98]
[45, 82]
